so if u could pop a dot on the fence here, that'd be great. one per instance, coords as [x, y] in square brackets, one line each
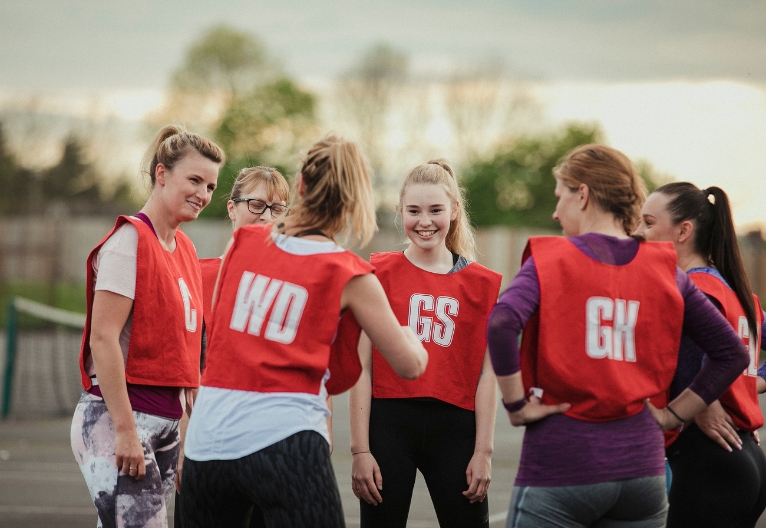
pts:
[54, 249]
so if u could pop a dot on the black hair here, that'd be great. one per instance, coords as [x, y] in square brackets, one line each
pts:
[715, 238]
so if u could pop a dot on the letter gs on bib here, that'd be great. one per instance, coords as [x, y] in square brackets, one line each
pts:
[259, 295]
[440, 331]
[617, 341]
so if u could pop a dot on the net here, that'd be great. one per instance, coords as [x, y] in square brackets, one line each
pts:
[41, 372]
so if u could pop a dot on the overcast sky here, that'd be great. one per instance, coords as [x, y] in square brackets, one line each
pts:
[680, 83]
[54, 45]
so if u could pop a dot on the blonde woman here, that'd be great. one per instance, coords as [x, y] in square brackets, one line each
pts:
[258, 436]
[142, 339]
[442, 423]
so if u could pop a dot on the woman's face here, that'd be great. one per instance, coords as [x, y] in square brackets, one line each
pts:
[240, 213]
[427, 212]
[656, 222]
[568, 208]
[188, 187]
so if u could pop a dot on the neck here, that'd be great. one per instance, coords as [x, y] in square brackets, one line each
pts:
[290, 229]
[164, 224]
[604, 224]
[689, 259]
[436, 260]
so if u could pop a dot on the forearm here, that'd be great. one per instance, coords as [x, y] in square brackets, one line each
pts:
[687, 405]
[486, 405]
[359, 400]
[511, 387]
[110, 372]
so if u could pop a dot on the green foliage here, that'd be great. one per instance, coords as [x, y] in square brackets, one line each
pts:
[223, 59]
[73, 181]
[269, 120]
[515, 186]
[63, 295]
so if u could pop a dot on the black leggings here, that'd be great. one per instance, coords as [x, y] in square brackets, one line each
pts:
[712, 487]
[291, 483]
[438, 439]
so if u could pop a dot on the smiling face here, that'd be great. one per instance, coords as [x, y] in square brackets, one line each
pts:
[569, 210]
[188, 187]
[239, 213]
[427, 211]
[656, 221]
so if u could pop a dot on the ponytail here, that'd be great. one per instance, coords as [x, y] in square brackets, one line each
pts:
[723, 249]
[461, 238]
[336, 193]
[171, 144]
[714, 236]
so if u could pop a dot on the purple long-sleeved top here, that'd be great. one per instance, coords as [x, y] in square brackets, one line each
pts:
[564, 451]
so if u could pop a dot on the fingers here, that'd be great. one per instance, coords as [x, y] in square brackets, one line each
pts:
[477, 491]
[366, 480]
[133, 466]
[178, 479]
[656, 414]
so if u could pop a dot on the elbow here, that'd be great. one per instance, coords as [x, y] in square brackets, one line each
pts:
[416, 367]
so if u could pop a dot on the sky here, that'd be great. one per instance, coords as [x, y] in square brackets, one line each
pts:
[681, 83]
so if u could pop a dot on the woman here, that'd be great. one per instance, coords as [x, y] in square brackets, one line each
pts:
[443, 423]
[258, 438]
[259, 195]
[713, 486]
[597, 343]
[141, 344]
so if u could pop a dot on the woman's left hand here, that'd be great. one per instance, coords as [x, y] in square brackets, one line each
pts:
[478, 475]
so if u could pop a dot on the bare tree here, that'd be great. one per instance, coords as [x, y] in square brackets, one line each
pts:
[485, 107]
[366, 95]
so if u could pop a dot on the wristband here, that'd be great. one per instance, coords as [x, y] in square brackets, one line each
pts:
[358, 452]
[515, 406]
[674, 414]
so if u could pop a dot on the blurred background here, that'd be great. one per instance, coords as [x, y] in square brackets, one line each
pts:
[500, 88]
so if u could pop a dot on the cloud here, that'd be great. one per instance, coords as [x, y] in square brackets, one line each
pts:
[47, 45]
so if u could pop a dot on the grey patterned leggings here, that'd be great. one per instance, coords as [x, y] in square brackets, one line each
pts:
[120, 500]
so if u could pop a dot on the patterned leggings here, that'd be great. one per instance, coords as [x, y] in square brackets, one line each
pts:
[291, 482]
[120, 500]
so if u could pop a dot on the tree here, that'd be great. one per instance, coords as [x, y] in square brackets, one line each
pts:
[217, 69]
[367, 91]
[515, 186]
[484, 107]
[269, 123]
[15, 181]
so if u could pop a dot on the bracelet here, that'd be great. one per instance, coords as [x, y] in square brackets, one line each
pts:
[358, 452]
[515, 406]
[674, 414]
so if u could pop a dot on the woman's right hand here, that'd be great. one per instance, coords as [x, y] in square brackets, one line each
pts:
[130, 454]
[366, 479]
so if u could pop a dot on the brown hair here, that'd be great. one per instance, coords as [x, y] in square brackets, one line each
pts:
[249, 177]
[171, 144]
[336, 194]
[715, 239]
[461, 238]
[613, 181]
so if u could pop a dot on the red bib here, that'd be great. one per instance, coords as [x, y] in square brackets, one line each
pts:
[448, 313]
[276, 315]
[166, 332]
[605, 337]
[741, 399]
[209, 268]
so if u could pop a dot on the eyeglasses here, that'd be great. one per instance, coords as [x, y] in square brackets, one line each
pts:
[257, 206]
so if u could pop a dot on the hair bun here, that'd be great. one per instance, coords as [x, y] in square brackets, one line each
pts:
[441, 162]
